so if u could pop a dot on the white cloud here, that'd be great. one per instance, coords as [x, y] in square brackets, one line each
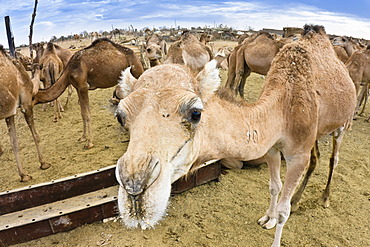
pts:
[62, 17]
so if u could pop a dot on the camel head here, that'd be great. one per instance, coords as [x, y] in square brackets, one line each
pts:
[340, 41]
[153, 51]
[162, 110]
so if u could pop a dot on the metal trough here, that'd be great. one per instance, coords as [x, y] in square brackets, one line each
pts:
[40, 210]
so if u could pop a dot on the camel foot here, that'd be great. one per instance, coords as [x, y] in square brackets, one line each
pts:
[266, 222]
[25, 178]
[82, 139]
[44, 166]
[325, 202]
[294, 207]
[88, 146]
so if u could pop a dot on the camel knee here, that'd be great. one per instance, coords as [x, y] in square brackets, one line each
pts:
[275, 187]
[283, 213]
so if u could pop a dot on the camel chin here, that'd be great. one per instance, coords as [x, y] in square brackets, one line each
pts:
[149, 207]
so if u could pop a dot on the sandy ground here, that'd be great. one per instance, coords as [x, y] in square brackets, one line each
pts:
[215, 214]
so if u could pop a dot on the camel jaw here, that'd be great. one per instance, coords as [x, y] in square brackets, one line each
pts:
[147, 208]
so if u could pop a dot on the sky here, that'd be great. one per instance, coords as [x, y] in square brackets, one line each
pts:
[68, 17]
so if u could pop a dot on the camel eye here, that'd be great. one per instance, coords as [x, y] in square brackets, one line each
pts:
[148, 50]
[195, 115]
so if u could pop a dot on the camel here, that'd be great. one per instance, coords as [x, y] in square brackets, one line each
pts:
[178, 122]
[189, 51]
[358, 66]
[347, 43]
[51, 67]
[16, 91]
[96, 66]
[155, 49]
[255, 54]
[62, 53]
[221, 57]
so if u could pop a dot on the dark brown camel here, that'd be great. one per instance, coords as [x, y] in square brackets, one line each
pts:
[96, 66]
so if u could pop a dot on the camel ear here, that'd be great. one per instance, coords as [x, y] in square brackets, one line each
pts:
[125, 84]
[209, 79]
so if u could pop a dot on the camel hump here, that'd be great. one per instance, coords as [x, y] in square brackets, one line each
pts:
[313, 28]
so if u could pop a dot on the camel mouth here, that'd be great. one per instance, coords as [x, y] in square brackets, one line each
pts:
[144, 203]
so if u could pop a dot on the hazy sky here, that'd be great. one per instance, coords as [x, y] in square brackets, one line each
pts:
[66, 17]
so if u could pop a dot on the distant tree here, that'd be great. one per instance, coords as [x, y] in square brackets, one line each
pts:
[53, 39]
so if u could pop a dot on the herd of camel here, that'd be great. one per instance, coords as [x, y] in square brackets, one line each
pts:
[177, 110]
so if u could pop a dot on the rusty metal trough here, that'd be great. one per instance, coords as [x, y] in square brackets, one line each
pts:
[61, 205]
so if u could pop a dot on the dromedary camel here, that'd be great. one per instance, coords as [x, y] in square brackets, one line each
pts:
[62, 53]
[51, 67]
[96, 66]
[189, 51]
[155, 49]
[358, 66]
[348, 44]
[16, 91]
[255, 54]
[177, 122]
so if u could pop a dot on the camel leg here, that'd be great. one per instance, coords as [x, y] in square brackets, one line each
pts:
[295, 168]
[86, 118]
[313, 161]
[334, 159]
[231, 71]
[247, 72]
[363, 97]
[70, 91]
[240, 70]
[14, 141]
[273, 160]
[31, 124]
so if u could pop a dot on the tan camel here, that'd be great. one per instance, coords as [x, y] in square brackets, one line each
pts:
[255, 54]
[96, 66]
[62, 53]
[178, 122]
[358, 66]
[16, 91]
[155, 49]
[348, 43]
[51, 67]
[189, 51]
[341, 53]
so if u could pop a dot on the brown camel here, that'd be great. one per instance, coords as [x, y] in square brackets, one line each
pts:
[155, 49]
[358, 66]
[177, 122]
[255, 54]
[189, 51]
[51, 67]
[16, 91]
[96, 66]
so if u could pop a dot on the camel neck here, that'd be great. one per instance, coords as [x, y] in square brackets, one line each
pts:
[242, 131]
[53, 92]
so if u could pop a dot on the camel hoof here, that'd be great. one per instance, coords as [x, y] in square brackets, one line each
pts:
[88, 146]
[45, 166]
[266, 222]
[82, 139]
[25, 178]
[326, 203]
[294, 206]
